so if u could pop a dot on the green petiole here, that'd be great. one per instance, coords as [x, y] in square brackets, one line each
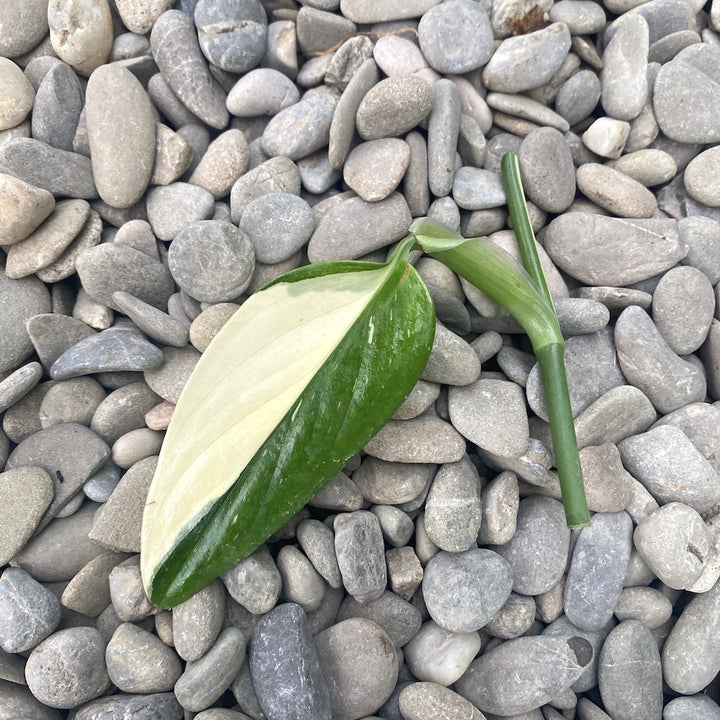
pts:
[524, 293]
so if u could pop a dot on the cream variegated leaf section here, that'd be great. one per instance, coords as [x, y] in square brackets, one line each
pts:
[244, 384]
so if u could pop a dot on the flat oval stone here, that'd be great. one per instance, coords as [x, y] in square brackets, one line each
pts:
[57, 107]
[49, 241]
[232, 34]
[438, 655]
[30, 611]
[425, 700]
[452, 360]
[224, 161]
[367, 11]
[302, 128]
[278, 225]
[701, 180]
[176, 51]
[538, 551]
[491, 414]
[477, 189]
[464, 590]
[198, 621]
[647, 362]
[629, 671]
[645, 604]
[699, 707]
[24, 25]
[500, 501]
[624, 73]
[283, 652]
[205, 680]
[691, 653]
[164, 705]
[600, 250]
[254, 582]
[112, 350]
[671, 467]
[527, 61]
[360, 554]
[648, 166]
[81, 34]
[302, 583]
[579, 95]
[547, 169]
[138, 16]
[63, 173]
[360, 666]
[582, 17]
[597, 569]
[393, 107]
[172, 207]
[456, 37]
[23, 207]
[616, 192]
[354, 228]
[674, 542]
[390, 483]
[375, 168]
[317, 541]
[139, 662]
[690, 79]
[170, 377]
[453, 510]
[262, 91]
[121, 132]
[278, 174]
[77, 654]
[541, 667]
[212, 260]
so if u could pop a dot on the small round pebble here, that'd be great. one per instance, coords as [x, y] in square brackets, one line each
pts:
[78, 656]
[375, 168]
[262, 91]
[18, 94]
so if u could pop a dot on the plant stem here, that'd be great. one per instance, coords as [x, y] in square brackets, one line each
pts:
[550, 357]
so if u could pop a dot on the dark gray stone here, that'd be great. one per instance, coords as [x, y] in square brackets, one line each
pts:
[175, 47]
[283, 656]
[56, 110]
[319, 31]
[232, 34]
[630, 674]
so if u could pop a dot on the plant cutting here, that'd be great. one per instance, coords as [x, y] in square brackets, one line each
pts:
[302, 376]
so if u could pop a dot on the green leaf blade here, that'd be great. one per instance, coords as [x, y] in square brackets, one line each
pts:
[377, 350]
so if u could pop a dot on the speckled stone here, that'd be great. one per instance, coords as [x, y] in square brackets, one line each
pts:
[262, 91]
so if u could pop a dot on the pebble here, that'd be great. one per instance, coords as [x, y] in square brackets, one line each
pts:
[205, 681]
[453, 510]
[440, 656]
[157, 325]
[196, 622]
[262, 91]
[176, 51]
[360, 554]
[616, 192]
[648, 166]
[578, 96]
[57, 107]
[645, 604]
[278, 224]
[456, 37]
[360, 666]
[60, 172]
[631, 250]
[28, 21]
[19, 97]
[421, 440]
[391, 483]
[695, 706]
[112, 267]
[354, 228]
[701, 179]
[302, 584]
[674, 542]
[629, 672]
[171, 208]
[31, 612]
[121, 132]
[607, 137]
[393, 106]
[318, 543]
[129, 601]
[375, 168]
[224, 161]
[24, 207]
[122, 411]
[689, 80]
[425, 700]
[48, 242]
[279, 174]
[650, 364]
[319, 31]
[538, 551]
[486, 580]
[117, 523]
[77, 655]
[597, 568]
[233, 260]
[139, 662]
[500, 500]
[162, 704]
[452, 360]
[254, 582]
[671, 468]
[527, 61]
[82, 36]
[231, 34]
[88, 593]
[624, 72]
[397, 528]
[542, 666]
[18, 384]
[514, 618]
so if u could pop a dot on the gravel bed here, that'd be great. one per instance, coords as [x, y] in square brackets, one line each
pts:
[160, 162]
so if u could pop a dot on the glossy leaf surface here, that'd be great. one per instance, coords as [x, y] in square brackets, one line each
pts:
[296, 382]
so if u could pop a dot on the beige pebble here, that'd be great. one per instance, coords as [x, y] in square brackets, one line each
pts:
[16, 95]
[22, 208]
[158, 418]
[207, 325]
[173, 156]
[81, 33]
[136, 445]
[225, 160]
